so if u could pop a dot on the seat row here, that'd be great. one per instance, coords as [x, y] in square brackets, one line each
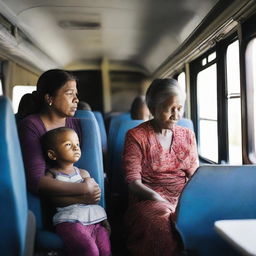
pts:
[215, 192]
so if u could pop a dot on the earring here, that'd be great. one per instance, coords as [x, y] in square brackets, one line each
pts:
[50, 103]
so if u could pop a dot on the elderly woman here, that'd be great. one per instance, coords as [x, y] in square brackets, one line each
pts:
[159, 158]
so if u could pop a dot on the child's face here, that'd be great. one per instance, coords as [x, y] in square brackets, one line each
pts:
[67, 147]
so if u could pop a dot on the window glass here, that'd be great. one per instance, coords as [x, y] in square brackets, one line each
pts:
[207, 93]
[233, 71]
[182, 80]
[18, 92]
[211, 57]
[209, 140]
[1, 88]
[204, 62]
[207, 113]
[234, 104]
[251, 83]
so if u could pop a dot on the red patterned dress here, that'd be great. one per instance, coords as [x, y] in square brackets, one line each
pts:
[149, 223]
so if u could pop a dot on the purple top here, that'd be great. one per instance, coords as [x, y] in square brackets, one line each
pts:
[31, 129]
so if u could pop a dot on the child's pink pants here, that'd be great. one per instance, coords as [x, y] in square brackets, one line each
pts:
[80, 240]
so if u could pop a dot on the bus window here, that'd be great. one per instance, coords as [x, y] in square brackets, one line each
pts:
[182, 80]
[234, 104]
[207, 113]
[18, 92]
[251, 87]
[1, 88]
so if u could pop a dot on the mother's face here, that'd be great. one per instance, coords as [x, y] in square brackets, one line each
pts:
[169, 112]
[64, 103]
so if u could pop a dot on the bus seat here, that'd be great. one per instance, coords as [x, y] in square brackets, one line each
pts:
[100, 122]
[118, 185]
[102, 127]
[17, 227]
[113, 128]
[185, 122]
[215, 192]
[84, 114]
[91, 159]
[118, 199]
[114, 120]
[46, 239]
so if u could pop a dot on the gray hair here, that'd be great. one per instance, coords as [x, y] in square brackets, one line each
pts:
[160, 90]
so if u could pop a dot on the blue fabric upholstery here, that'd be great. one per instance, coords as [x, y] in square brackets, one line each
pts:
[118, 184]
[215, 193]
[13, 197]
[45, 239]
[185, 122]
[84, 114]
[102, 127]
[91, 159]
[113, 126]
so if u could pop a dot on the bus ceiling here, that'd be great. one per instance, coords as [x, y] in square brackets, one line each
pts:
[132, 35]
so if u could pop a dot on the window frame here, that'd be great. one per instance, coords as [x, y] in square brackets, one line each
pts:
[248, 32]
[222, 100]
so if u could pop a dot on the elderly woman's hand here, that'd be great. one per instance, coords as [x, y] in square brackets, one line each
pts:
[157, 197]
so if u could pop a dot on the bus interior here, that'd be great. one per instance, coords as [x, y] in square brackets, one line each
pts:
[116, 48]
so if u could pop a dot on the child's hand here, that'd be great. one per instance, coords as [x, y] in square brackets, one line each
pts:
[92, 193]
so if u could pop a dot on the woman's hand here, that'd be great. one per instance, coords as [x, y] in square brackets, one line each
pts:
[145, 193]
[92, 191]
[156, 197]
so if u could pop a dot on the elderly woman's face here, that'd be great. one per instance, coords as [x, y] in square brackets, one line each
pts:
[169, 112]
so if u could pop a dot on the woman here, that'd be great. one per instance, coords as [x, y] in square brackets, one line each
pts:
[56, 98]
[159, 158]
[139, 109]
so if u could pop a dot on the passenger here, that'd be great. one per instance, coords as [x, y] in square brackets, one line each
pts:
[159, 158]
[56, 98]
[139, 109]
[82, 105]
[77, 223]
[26, 106]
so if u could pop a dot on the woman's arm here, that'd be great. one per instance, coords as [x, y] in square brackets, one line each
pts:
[132, 162]
[30, 131]
[143, 192]
[193, 156]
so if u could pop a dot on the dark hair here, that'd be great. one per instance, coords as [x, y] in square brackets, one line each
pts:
[82, 105]
[49, 140]
[26, 106]
[137, 106]
[49, 83]
[159, 90]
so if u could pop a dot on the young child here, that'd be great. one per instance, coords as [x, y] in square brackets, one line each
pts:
[82, 227]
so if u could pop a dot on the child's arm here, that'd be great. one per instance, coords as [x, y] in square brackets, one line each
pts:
[84, 174]
[61, 201]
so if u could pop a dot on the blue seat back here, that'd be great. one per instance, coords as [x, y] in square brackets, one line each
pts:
[113, 126]
[102, 127]
[91, 158]
[215, 193]
[118, 184]
[13, 197]
[84, 114]
[45, 238]
[185, 122]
